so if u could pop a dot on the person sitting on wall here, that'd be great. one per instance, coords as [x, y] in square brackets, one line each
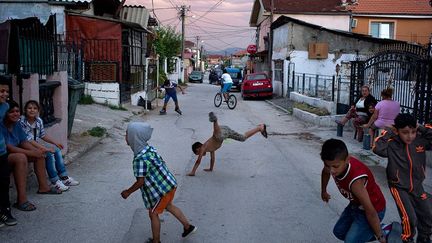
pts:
[360, 111]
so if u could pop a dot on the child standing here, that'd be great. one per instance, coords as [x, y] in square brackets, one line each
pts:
[153, 178]
[170, 92]
[360, 221]
[34, 128]
[5, 211]
[404, 145]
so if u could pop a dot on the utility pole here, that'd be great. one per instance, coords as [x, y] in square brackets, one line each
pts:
[183, 10]
[196, 54]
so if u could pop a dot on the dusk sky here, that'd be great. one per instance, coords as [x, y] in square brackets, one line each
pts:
[220, 24]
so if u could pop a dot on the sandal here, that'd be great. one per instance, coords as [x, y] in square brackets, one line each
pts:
[52, 190]
[26, 206]
[264, 132]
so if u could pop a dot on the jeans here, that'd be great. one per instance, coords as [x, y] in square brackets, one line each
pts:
[353, 225]
[55, 165]
[4, 182]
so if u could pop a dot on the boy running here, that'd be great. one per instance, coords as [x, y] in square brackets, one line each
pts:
[153, 178]
[170, 92]
[215, 142]
[404, 146]
[360, 221]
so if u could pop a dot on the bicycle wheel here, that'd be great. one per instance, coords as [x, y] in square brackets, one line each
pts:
[232, 101]
[218, 99]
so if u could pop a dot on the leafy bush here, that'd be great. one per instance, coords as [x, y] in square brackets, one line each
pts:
[311, 109]
[97, 131]
[86, 100]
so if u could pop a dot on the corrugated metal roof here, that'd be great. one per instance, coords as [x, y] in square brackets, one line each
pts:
[135, 14]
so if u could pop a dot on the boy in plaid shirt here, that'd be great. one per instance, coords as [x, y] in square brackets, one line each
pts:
[153, 178]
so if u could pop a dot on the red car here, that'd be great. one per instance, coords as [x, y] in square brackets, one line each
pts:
[256, 85]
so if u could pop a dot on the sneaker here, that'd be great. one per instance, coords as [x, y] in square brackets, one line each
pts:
[178, 111]
[162, 112]
[393, 232]
[189, 231]
[70, 182]
[2, 223]
[212, 117]
[59, 185]
[6, 217]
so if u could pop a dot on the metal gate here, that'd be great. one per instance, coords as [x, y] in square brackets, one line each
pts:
[403, 67]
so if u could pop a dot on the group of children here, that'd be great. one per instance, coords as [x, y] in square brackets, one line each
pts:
[23, 140]
[404, 144]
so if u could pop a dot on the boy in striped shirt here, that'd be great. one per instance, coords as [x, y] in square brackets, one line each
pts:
[153, 178]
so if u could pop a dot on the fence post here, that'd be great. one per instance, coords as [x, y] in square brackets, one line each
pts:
[333, 87]
[316, 85]
[293, 81]
[303, 83]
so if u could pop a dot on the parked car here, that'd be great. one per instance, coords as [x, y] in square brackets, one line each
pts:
[256, 85]
[213, 77]
[196, 76]
[236, 76]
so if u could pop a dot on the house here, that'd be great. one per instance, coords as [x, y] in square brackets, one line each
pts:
[315, 61]
[239, 59]
[330, 14]
[46, 44]
[214, 59]
[409, 21]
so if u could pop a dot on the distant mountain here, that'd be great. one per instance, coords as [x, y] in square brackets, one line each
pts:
[227, 51]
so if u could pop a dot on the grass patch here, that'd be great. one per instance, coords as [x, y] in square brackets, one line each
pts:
[97, 131]
[114, 107]
[86, 100]
[311, 109]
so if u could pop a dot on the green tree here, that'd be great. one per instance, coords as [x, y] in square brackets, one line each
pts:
[167, 44]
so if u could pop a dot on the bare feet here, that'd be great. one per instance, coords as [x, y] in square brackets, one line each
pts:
[208, 170]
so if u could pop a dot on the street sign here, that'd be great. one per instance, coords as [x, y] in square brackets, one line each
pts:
[251, 49]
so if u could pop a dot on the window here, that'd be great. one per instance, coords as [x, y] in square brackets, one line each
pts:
[383, 30]
[278, 70]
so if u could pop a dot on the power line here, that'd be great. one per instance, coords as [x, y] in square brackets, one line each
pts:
[210, 10]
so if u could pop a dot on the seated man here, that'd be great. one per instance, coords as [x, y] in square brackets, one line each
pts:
[215, 142]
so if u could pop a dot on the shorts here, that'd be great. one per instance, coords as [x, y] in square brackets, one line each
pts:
[227, 132]
[163, 202]
[169, 95]
[226, 87]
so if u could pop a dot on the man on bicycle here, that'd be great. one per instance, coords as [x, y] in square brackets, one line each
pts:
[226, 84]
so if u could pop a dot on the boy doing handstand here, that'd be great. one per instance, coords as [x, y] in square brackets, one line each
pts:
[215, 142]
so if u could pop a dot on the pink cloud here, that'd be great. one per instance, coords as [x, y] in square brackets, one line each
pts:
[224, 27]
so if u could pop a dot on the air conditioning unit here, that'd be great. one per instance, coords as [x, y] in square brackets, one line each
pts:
[353, 23]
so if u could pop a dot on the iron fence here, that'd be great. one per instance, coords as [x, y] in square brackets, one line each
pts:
[314, 85]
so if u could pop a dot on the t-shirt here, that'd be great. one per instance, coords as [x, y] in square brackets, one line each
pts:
[226, 78]
[387, 112]
[14, 137]
[34, 131]
[357, 170]
[170, 88]
[3, 109]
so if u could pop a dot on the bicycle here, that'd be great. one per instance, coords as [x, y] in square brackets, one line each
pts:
[232, 100]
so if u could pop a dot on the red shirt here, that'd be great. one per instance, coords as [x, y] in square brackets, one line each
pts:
[357, 170]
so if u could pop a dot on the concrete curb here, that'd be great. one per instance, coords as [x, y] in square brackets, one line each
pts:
[76, 154]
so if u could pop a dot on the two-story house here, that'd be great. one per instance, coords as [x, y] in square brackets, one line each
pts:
[409, 21]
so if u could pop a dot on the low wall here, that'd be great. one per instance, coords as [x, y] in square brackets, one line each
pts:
[315, 102]
[104, 93]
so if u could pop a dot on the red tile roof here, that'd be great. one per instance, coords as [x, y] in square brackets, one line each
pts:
[304, 6]
[240, 53]
[406, 7]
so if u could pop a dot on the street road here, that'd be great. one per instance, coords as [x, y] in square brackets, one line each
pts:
[262, 190]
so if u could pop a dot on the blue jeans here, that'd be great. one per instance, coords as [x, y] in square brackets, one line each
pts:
[55, 165]
[353, 225]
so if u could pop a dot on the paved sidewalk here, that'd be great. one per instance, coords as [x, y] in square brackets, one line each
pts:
[89, 116]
